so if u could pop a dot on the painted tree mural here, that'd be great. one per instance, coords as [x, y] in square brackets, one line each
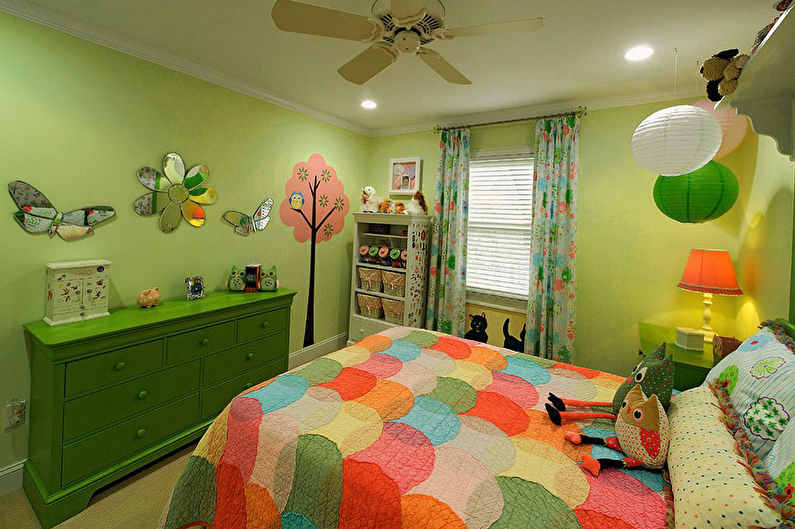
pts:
[315, 206]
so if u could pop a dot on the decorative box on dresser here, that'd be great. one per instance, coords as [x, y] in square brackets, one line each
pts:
[405, 232]
[113, 394]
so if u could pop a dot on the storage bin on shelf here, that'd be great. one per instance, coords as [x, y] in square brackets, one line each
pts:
[369, 306]
[370, 279]
[393, 311]
[394, 283]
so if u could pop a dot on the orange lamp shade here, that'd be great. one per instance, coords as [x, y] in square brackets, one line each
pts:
[711, 272]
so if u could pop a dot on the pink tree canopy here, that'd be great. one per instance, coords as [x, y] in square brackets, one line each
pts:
[322, 204]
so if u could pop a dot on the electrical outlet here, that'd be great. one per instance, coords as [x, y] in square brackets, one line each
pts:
[15, 413]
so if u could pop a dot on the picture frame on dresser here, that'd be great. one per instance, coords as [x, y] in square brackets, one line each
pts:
[110, 395]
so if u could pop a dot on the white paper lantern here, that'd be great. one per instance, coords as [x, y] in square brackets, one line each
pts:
[733, 125]
[676, 140]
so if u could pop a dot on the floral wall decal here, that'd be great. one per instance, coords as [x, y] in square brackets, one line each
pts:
[315, 206]
[175, 194]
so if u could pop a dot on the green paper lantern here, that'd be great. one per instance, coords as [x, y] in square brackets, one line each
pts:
[702, 195]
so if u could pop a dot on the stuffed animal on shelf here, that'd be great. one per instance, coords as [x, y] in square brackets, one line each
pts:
[654, 374]
[385, 206]
[417, 205]
[642, 433]
[721, 72]
[398, 207]
[779, 6]
[369, 200]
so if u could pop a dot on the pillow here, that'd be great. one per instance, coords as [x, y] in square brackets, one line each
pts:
[713, 482]
[759, 378]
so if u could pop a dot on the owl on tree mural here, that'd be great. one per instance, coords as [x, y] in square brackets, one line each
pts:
[315, 206]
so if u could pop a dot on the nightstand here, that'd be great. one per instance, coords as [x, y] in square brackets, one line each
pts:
[690, 367]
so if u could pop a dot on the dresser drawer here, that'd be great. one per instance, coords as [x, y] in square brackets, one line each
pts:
[100, 409]
[261, 325]
[200, 342]
[113, 367]
[215, 398]
[244, 357]
[125, 439]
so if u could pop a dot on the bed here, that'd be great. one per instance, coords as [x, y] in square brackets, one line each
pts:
[412, 429]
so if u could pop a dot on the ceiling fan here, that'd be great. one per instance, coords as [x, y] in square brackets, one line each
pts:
[395, 26]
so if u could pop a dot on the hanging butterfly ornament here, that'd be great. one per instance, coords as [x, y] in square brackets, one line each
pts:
[37, 214]
[246, 225]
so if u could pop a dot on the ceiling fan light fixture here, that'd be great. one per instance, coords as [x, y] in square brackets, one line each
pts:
[639, 53]
[369, 104]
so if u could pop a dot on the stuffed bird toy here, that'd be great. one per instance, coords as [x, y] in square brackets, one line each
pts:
[642, 433]
[654, 374]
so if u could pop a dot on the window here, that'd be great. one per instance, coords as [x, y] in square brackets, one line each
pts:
[500, 213]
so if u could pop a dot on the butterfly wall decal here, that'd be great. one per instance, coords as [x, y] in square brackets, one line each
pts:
[37, 214]
[246, 225]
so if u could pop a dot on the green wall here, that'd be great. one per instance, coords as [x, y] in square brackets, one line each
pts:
[78, 120]
[630, 256]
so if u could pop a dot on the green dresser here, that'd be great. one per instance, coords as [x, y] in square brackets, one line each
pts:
[113, 394]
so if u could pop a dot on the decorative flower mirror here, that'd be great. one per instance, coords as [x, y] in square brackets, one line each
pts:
[174, 194]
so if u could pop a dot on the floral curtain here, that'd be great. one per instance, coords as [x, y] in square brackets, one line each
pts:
[447, 278]
[553, 249]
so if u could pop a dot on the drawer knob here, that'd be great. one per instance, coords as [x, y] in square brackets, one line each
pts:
[143, 394]
[120, 366]
[140, 433]
[361, 331]
[205, 341]
[250, 356]
[264, 324]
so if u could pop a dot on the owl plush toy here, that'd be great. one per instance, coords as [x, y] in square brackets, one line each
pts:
[642, 433]
[654, 374]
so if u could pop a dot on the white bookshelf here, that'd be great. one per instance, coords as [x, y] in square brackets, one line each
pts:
[409, 232]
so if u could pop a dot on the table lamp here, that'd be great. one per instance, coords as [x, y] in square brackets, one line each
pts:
[710, 272]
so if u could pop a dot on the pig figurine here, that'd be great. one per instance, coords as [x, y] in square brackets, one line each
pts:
[148, 298]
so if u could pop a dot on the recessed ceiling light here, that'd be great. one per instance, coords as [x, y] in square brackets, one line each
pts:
[639, 53]
[369, 104]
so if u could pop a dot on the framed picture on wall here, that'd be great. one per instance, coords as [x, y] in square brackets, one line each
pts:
[404, 176]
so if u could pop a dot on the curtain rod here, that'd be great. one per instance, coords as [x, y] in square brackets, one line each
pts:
[580, 112]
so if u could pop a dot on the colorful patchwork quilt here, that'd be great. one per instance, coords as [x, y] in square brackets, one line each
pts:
[412, 429]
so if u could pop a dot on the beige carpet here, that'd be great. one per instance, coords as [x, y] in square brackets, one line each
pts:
[134, 503]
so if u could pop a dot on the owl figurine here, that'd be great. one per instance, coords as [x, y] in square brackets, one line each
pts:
[267, 279]
[642, 433]
[296, 200]
[237, 279]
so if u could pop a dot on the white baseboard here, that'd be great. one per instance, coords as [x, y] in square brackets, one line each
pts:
[307, 354]
[11, 478]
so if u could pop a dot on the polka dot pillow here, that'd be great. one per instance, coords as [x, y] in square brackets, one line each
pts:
[712, 485]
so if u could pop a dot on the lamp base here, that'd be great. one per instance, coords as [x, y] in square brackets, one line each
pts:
[709, 334]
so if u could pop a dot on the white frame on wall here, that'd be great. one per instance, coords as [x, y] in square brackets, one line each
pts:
[408, 192]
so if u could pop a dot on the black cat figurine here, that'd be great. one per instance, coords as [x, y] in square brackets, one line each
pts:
[478, 326]
[510, 342]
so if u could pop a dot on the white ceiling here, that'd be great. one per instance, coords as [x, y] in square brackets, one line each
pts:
[576, 59]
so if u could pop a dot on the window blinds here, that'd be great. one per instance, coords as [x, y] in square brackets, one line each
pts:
[500, 213]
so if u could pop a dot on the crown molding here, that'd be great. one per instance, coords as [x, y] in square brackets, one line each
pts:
[552, 108]
[72, 26]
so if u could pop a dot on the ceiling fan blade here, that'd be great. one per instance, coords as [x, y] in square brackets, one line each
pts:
[509, 27]
[442, 67]
[369, 63]
[406, 13]
[298, 17]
